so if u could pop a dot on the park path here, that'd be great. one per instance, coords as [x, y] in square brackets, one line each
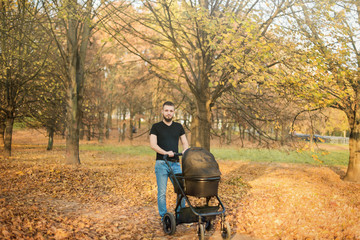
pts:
[113, 196]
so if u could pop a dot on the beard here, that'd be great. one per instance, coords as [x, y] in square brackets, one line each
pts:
[167, 119]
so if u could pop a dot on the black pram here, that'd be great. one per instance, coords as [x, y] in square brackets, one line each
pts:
[200, 178]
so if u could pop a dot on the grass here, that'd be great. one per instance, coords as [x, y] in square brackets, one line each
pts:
[273, 155]
[120, 149]
[244, 154]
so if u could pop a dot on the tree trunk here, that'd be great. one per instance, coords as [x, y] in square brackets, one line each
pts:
[9, 123]
[108, 121]
[284, 134]
[123, 132]
[101, 122]
[2, 132]
[242, 135]
[73, 124]
[201, 125]
[76, 49]
[311, 142]
[82, 131]
[132, 127]
[101, 126]
[229, 133]
[51, 139]
[88, 132]
[73, 116]
[194, 132]
[353, 171]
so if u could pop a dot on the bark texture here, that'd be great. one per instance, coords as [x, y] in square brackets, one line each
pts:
[353, 170]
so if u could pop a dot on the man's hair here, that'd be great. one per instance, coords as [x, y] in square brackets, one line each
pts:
[168, 103]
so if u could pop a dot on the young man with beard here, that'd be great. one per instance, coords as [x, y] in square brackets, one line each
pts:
[164, 140]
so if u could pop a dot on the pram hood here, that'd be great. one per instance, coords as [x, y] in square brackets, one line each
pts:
[199, 163]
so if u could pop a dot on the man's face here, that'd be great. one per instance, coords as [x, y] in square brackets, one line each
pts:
[168, 113]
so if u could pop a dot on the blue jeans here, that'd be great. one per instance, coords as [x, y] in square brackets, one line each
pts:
[162, 173]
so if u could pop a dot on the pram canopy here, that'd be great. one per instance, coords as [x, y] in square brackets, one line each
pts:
[199, 163]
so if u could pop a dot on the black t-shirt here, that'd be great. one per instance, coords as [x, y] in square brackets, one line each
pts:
[167, 137]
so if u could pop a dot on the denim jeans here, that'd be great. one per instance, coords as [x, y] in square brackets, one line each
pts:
[162, 173]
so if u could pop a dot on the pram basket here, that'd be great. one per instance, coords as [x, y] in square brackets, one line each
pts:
[197, 186]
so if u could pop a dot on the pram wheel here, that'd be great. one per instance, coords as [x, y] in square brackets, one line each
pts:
[208, 225]
[169, 223]
[225, 230]
[201, 232]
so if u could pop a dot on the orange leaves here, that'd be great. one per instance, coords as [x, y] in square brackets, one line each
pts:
[61, 233]
[40, 200]
[298, 202]
[20, 173]
[114, 197]
[316, 158]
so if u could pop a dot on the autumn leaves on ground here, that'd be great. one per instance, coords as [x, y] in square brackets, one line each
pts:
[112, 196]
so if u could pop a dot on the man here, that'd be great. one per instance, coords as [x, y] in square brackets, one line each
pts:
[164, 140]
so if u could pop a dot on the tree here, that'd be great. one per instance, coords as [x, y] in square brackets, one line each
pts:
[197, 41]
[263, 111]
[115, 79]
[24, 48]
[334, 123]
[328, 70]
[2, 129]
[50, 109]
[71, 25]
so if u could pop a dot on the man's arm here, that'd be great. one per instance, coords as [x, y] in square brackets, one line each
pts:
[184, 142]
[156, 148]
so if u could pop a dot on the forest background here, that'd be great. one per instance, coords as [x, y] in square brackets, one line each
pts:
[244, 73]
[265, 69]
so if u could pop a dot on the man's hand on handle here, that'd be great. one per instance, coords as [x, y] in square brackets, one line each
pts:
[170, 153]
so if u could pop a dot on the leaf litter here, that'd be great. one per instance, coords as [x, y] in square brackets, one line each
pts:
[111, 196]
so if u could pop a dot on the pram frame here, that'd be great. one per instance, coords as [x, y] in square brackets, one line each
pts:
[225, 227]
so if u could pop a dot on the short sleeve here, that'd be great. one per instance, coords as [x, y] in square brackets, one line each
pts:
[182, 131]
[153, 130]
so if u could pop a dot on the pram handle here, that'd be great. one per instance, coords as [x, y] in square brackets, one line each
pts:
[175, 154]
